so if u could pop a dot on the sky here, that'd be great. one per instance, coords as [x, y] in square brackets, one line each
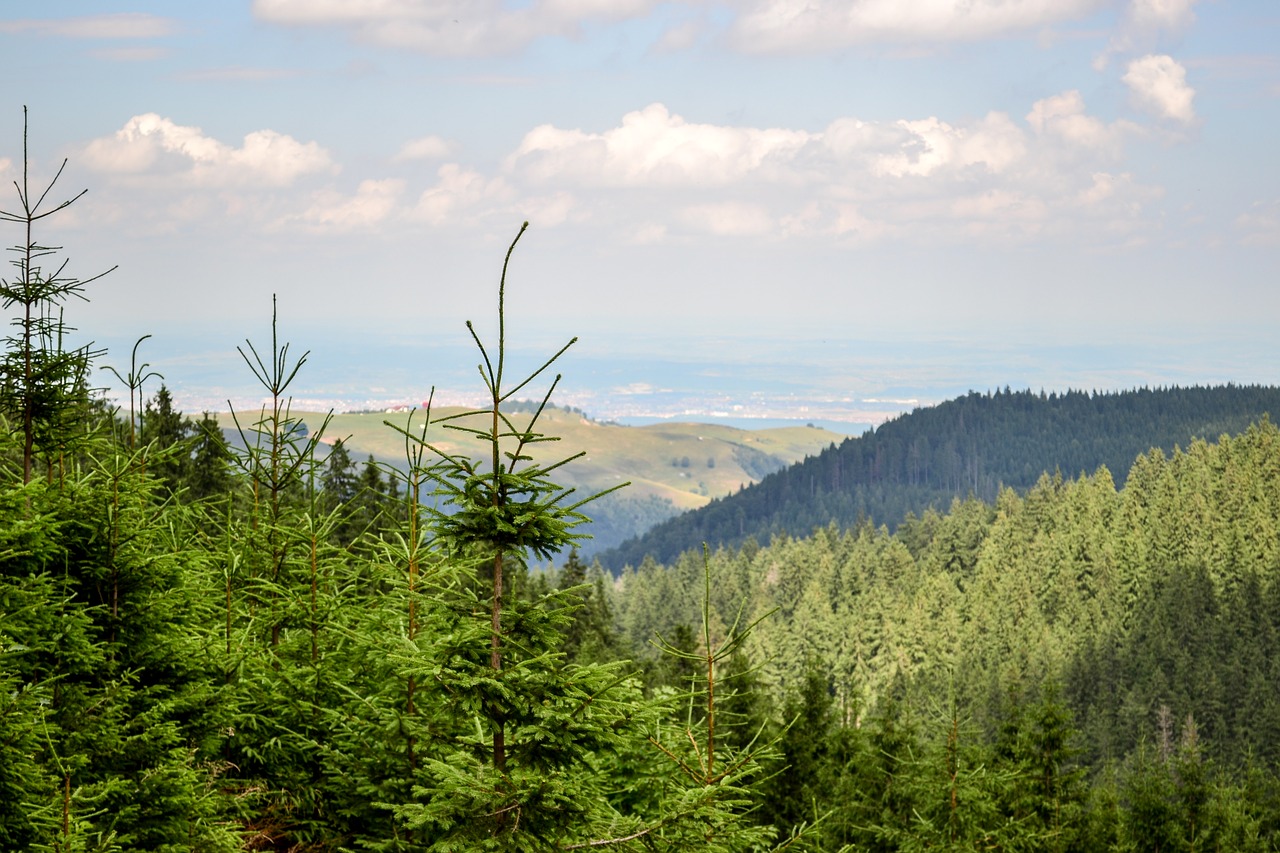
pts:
[845, 207]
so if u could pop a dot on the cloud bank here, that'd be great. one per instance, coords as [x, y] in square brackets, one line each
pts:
[655, 176]
[491, 27]
[450, 27]
[797, 26]
[152, 145]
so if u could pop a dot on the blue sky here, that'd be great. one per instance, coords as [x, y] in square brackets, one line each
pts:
[921, 195]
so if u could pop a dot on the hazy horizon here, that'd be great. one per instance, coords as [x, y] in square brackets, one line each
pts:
[750, 203]
[857, 383]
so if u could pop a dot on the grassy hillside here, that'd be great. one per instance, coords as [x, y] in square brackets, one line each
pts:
[671, 466]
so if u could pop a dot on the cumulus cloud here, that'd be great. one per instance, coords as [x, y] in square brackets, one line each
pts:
[154, 146]
[656, 176]
[859, 179]
[1063, 116]
[372, 203]
[450, 27]
[124, 25]
[654, 147]
[795, 26]
[1158, 84]
[462, 196]
[927, 145]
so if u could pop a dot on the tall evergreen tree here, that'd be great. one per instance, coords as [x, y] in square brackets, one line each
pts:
[42, 380]
[209, 470]
[165, 432]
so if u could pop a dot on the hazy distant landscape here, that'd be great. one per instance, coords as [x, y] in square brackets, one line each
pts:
[843, 385]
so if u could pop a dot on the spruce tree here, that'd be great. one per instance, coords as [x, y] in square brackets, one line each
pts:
[513, 769]
[109, 708]
[42, 380]
[209, 469]
[166, 432]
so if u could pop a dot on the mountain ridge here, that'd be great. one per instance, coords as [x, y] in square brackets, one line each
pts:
[974, 444]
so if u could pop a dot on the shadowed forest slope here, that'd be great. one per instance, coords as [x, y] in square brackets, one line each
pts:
[973, 445]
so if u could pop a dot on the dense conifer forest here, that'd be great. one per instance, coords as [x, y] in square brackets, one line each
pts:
[206, 648]
[976, 445]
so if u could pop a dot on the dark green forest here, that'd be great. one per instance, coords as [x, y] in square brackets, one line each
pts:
[976, 445]
[215, 648]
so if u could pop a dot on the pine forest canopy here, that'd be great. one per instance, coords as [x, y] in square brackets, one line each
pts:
[973, 445]
[269, 648]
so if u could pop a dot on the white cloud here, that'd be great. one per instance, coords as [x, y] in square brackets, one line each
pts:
[931, 144]
[548, 211]
[151, 145]
[372, 204]
[494, 27]
[1143, 23]
[450, 27]
[655, 149]
[992, 176]
[1063, 117]
[1162, 14]
[125, 25]
[1159, 84]
[424, 148]
[652, 147]
[656, 176]
[462, 196]
[796, 26]
[1103, 188]
[1116, 199]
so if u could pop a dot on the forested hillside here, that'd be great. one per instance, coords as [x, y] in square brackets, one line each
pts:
[973, 445]
[1133, 634]
[265, 648]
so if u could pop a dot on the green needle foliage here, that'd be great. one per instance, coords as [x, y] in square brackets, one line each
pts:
[512, 766]
[42, 382]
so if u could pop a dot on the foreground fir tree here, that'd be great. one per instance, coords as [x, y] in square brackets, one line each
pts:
[523, 748]
[109, 712]
[42, 380]
[513, 766]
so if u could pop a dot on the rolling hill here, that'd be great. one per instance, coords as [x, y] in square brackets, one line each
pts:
[672, 467]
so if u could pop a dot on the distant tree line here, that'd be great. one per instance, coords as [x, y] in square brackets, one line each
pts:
[974, 445]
